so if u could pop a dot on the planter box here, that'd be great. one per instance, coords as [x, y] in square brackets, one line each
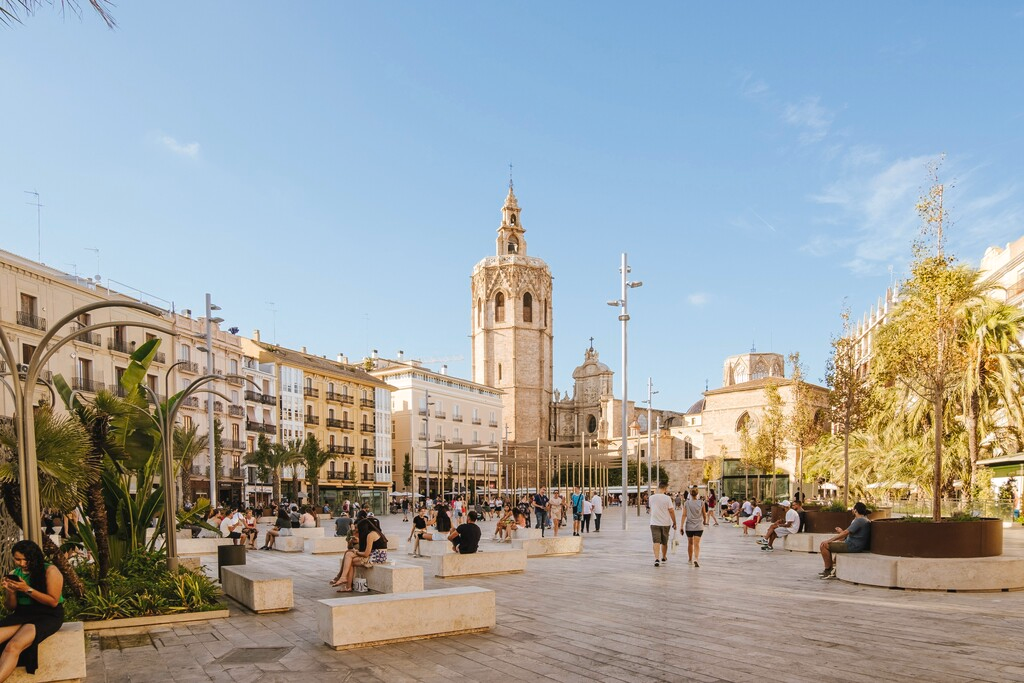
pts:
[977, 538]
[135, 622]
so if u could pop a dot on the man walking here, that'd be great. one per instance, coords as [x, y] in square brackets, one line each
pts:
[663, 516]
[540, 509]
[598, 509]
[577, 510]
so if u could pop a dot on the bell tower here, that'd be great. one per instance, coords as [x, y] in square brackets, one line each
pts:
[512, 328]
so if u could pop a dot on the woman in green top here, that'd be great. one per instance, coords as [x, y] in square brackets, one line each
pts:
[32, 593]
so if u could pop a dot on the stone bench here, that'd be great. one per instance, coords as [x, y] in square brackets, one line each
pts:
[434, 548]
[309, 532]
[369, 620]
[392, 578]
[290, 544]
[932, 573]
[525, 534]
[201, 546]
[259, 590]
[61, 657]
[804, 542]
[453, 565]
[550, 546]
[326, 545]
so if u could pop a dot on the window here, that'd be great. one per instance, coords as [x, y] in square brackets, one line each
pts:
[479, 311]
[591, 424]
[233, 366]
[330, 443]
[84, 369]
[687, 449]
[28, 304]
[513, 244]
[499, 372]
[365, 446]
[330, 413]
[499, 307]
[744, 423]
[346, 470]
[186, 422]
[330, 387]
[527, 308]
[235, 436]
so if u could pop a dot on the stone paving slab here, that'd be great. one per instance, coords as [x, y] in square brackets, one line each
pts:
[608, 614]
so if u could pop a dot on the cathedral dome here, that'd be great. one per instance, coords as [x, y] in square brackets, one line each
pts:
[697, 408]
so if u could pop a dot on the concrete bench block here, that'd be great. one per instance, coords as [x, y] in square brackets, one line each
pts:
[393, 543]
[867, 568]
[501, 562]
[392, 578]
[550, 546]
[201, 546]
[61, 657]
[435, 548]
[290, 544]
[525, 534]
[762, 527]
[804, 543]
[266, 520]
[313, 532]
[192, 563]
[326, 545]
[324, 517]
[365, 621]
[259, 590]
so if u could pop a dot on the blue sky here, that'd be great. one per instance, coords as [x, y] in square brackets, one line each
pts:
[760, 164]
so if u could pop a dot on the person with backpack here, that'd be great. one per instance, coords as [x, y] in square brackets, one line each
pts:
[576, 500]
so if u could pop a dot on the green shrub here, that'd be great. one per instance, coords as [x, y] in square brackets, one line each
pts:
[834, 506]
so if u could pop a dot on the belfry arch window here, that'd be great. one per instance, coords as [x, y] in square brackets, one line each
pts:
[512, 219]
[499, 307]
[687, 449]
[513, 246]
[527, 308]
[479, 312]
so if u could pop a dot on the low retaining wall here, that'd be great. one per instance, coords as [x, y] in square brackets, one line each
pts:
[932, 573]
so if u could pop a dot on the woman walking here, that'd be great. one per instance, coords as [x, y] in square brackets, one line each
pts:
[695, 518]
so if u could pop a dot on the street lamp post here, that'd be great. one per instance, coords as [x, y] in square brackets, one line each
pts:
[622, 303]
[23, 390]
[426, 437]
[650, 479]
[210, 307]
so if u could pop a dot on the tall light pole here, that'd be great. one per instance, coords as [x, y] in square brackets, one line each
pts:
[650, 397]
[210, 308]
[426, 437]
[622, 303]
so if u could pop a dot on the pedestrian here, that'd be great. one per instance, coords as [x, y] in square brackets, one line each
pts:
[576, 500]
[588, 511]
[712, 505]
[405, 509]
[556, 510]
[540, 508]
[695, 518]
[663, 517]
[598, 504]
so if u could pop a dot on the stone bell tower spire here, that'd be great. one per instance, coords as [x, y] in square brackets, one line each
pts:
[511, 240]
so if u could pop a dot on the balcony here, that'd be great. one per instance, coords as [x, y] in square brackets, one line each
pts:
[236, 411]
[121, 345]
[476, 420]
[31, 320]
[200, 470]
[492, 423]
[334, 396]
[367, 428]
[457, 440]
[367, 402]
[440, 414]
[89, 337]
[456, 418]
[345, 398]
[188, 366]
[422, 412]
[233, 444]
[311, 419]
[218, 406]
[341, 450]
[86, 384]
[233, 472]
[311, 392]
[257, 426]
[367, 476]
[159, 357]
[257, 397]
[269, 399]
[339, 424]
[236, 381]
[368, 452]
[191, 402]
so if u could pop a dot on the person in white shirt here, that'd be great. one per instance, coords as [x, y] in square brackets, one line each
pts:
[588, 510]
[598, 507]
[755, 517]
[231, 526]
[790, 525]
[663, 516]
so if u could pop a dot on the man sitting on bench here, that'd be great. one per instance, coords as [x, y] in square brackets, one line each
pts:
[854, 539]
[790, 525]
[465, 538]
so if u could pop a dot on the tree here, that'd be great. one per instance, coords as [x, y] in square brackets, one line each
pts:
[804, 427]
[272, 458]
[407, 472]
[762, 449]
[10, 10]
[615, 475]
[848, 392]
[188, 445]
[314, 458]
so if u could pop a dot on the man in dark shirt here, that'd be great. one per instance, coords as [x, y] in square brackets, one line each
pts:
[342, 524]
[465, 538]
[854, 539]
[540, 509]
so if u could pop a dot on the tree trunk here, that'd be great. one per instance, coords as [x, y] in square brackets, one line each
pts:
[937, 481]
[71, 579]
[275, 483]
[96, 505]
[186, 485]
[971, 425]
[846, 458]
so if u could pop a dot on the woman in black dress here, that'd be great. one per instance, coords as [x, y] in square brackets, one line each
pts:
[33, 594]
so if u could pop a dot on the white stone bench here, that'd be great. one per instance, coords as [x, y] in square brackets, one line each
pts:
[201, 546]
[324, 517]
[266, 520]
[290, 544]
[257, 589]
[369, 620]
[804, 542]
[550, 546]
[310, 532]
[61, 657]
[932, 573]
[525, 534]
[434, 548]
[453, 565]
[762, 527]
[326, 545]
[392, 578]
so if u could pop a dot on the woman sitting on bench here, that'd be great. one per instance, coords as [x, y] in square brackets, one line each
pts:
[751, 521]
[371, 549]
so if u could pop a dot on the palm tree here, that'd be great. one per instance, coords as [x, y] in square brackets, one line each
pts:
[188, 444]
[272, 458]
[62, 448]
[989, 388]
[10, 10]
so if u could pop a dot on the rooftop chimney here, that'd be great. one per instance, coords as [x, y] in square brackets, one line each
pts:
[444, 369]
[401, 354]
[304, 349]
[341, 358]
[255, 335]
[374, 356]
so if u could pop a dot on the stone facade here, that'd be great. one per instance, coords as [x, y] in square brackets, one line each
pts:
[512, 328]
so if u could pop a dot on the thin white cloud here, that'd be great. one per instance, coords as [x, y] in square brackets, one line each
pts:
[697, 299]
[190, 149]
[811, 117]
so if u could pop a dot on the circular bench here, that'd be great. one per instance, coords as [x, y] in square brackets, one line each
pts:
[1002, 573]
[804, 542]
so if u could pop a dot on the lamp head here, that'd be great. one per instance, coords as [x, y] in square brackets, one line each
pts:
[217, 320]
[638, 283]
[214, 307]
[617, 302]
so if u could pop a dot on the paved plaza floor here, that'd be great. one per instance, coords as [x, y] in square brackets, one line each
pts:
[610, 615]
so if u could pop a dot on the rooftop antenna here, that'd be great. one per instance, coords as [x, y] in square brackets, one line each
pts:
[753, 346]
[95, 250]
[705, 384]
[39, 224]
